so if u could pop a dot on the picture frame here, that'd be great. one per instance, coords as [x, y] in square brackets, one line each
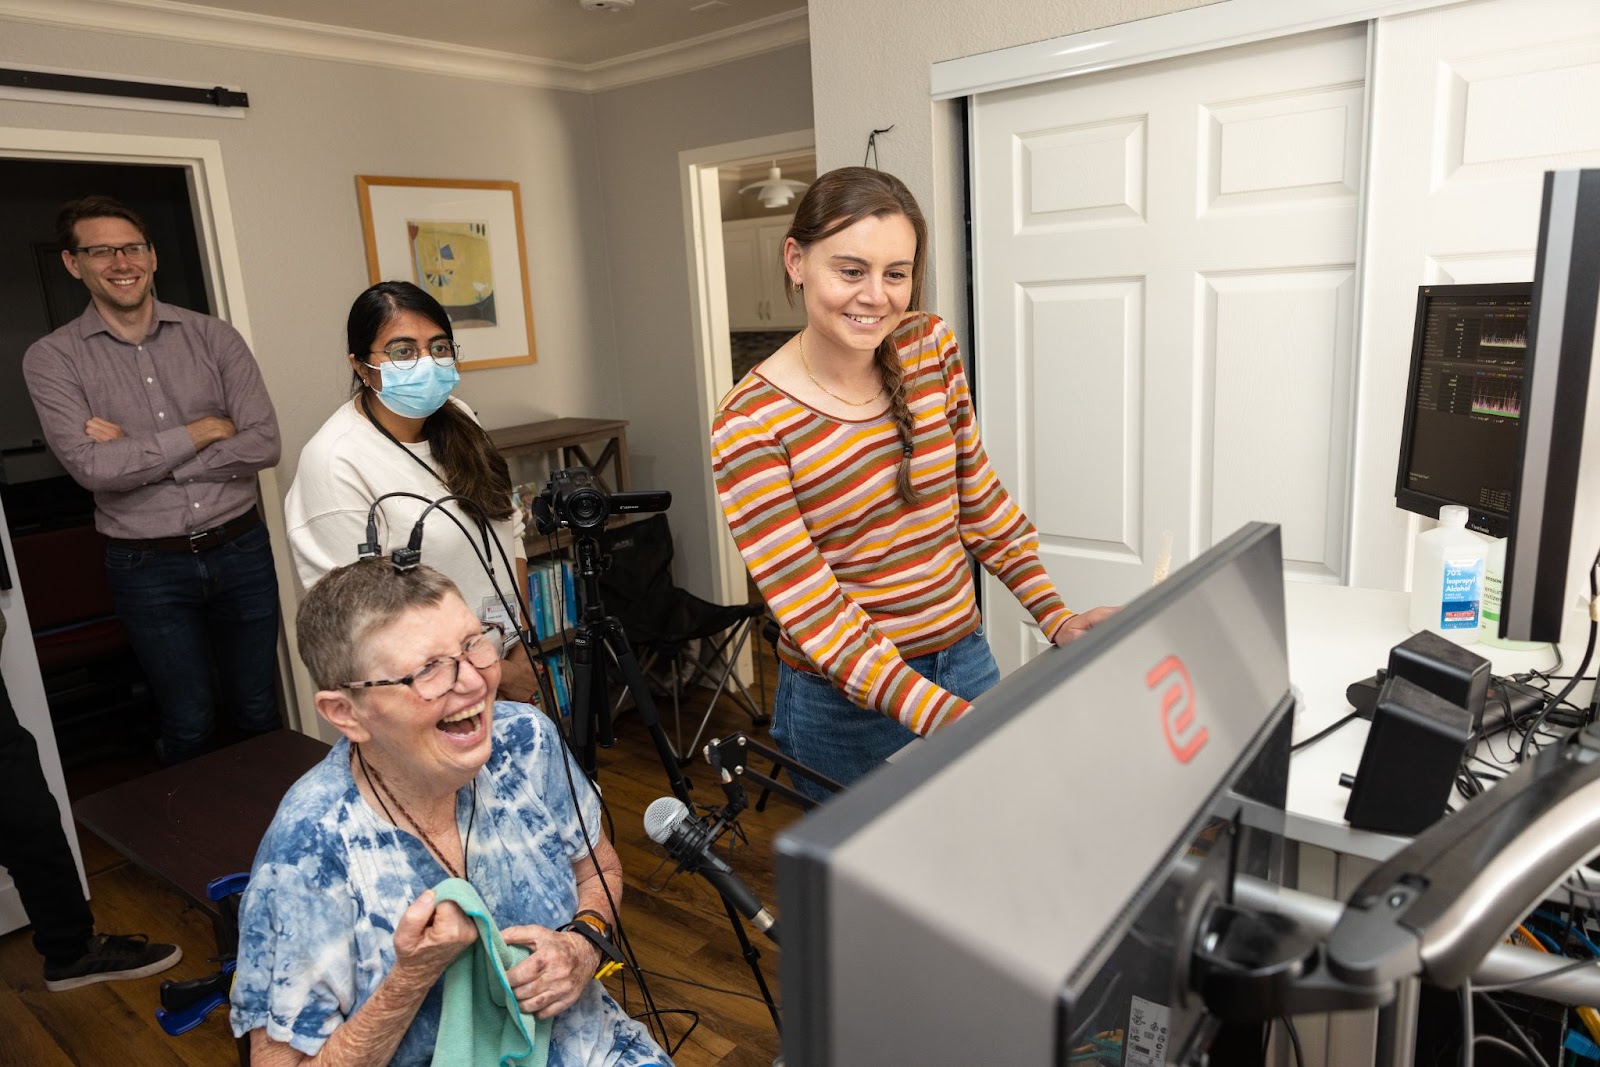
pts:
[462, 242]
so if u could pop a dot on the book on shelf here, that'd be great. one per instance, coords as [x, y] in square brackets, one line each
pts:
[551, 597]
[555, 664]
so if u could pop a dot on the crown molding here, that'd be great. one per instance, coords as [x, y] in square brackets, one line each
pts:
[194, 24]
[698, 53]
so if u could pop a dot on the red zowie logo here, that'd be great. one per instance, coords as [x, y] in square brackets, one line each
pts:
[1184, 736]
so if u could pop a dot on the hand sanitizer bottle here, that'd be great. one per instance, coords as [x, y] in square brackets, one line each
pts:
[1447, 578]
[1494, 578]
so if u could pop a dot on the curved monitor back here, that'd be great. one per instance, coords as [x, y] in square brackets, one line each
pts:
[1007, 888]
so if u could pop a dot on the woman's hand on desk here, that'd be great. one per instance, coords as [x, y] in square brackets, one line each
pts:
[428, 938]
[1083, 622]
[549, 982]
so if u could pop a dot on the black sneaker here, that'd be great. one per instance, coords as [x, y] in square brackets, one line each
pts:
[110, 958]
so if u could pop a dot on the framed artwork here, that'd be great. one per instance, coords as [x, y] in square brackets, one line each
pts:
[461, 241]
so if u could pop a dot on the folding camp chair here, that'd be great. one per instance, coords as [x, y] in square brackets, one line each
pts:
[662, 621]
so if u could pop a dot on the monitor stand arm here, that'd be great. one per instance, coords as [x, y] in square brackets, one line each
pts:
[1438, 909]
[1438, 906]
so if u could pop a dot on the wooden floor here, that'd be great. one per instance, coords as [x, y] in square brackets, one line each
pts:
[678, 929]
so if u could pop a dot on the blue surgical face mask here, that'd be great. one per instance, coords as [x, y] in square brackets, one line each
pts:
[418, 392]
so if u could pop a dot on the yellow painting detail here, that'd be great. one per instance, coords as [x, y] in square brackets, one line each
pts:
[450, 260]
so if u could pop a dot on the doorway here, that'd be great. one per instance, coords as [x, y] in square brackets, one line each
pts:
[100, 704]
[722, 271]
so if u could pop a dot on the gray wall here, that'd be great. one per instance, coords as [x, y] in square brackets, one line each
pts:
[601, 209]
[640, 131]
[291, 163]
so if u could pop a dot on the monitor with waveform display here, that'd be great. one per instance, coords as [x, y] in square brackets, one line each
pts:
[1464, 402]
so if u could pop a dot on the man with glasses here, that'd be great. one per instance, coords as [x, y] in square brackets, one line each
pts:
[161, 412]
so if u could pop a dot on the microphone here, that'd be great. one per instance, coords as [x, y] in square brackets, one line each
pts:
[687, 839]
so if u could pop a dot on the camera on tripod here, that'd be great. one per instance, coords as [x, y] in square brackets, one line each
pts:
[576, 499]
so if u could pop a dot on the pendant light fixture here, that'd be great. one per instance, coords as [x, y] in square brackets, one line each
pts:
[775, 190]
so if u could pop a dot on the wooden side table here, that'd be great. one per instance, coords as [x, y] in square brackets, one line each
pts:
[565, 443]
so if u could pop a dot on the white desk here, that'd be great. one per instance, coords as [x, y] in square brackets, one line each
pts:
[1338, 635]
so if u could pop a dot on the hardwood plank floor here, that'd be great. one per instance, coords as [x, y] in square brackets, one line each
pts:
[677, 927]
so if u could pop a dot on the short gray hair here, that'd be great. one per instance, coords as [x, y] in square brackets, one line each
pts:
[350, 603]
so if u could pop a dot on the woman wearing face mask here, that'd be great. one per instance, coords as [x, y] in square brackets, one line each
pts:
[402, 431]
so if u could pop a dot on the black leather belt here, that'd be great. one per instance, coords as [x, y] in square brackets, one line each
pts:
[200, 540]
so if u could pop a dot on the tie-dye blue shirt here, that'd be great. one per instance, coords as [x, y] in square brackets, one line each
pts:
[332, 878]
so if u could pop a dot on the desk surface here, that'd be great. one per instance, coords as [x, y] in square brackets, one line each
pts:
[1338, 635]
[202, 819]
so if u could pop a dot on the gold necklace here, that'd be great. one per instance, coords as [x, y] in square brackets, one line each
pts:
[807, 365]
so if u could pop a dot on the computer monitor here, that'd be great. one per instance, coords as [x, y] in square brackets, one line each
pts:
[1464, 402]
[1012, 889]
[1555, 528]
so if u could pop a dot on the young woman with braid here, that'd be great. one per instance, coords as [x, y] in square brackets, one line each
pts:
[853, 478]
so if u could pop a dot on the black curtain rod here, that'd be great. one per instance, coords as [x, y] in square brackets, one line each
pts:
[77, 83]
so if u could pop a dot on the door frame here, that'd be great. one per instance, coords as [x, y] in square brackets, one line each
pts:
[1197, 29]
[224, 278]
[708, 311]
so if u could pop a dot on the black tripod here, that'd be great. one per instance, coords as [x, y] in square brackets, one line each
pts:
[591, 705]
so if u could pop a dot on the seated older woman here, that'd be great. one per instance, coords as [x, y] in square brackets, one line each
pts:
[342, 946]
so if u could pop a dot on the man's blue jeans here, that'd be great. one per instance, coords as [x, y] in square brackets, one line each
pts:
[185, 610]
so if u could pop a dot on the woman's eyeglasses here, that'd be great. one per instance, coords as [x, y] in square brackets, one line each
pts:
[438, 676]
[404, 354]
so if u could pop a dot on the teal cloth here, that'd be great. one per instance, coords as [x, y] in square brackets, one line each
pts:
[481, 1022]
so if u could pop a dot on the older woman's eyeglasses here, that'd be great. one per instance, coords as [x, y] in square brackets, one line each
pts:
[438, 676]
[404, 354]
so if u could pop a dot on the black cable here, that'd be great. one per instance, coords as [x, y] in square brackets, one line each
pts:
[1294, 1040]
[1466, 1023]
[701, 985]
[1314, 738]
[695, 1021]
[1522, 1038]
[1583, 665]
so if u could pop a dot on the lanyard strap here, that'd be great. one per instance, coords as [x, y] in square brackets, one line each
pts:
[483, 526]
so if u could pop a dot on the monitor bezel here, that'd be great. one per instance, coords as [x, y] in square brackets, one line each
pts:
[1558, 470]
[1483, 520]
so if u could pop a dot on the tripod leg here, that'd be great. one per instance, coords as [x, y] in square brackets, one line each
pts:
[634, 679]
[590, 716]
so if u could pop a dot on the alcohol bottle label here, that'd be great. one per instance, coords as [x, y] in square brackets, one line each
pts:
[1462, 594]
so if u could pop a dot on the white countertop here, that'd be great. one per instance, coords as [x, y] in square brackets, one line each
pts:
[1338, 635]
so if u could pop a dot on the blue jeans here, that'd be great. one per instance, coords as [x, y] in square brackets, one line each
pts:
[816, 725]
[184, 610]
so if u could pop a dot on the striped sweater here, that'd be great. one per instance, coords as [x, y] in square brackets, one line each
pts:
[859, 579]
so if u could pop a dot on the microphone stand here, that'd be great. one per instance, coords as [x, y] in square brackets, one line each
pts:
[728, 758]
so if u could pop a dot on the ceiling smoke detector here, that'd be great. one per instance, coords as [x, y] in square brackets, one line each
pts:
[606, 5]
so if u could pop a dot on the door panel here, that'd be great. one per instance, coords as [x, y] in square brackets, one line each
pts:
[1165, 262]
[1475, 102]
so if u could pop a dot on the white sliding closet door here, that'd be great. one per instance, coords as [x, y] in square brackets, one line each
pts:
[1165, 271]
[1474, 103]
